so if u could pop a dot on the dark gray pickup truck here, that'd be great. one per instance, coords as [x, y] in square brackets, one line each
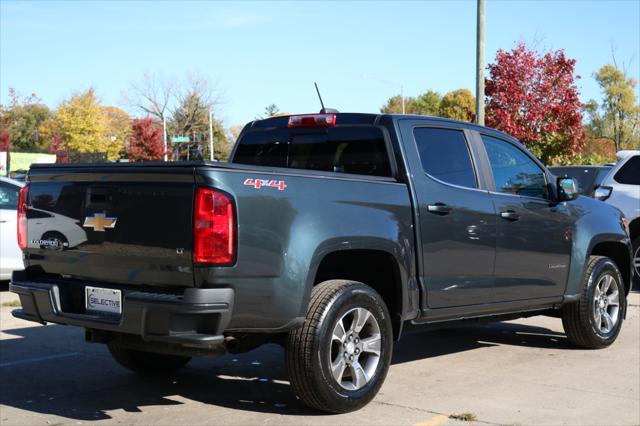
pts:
[328, 233]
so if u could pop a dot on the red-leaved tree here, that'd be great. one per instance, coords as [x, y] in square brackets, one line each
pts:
[145, 141]
[5, 139]
[534, 98]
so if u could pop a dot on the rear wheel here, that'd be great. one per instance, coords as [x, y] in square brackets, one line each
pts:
[145, 362]
[338, 360]
[594, 322]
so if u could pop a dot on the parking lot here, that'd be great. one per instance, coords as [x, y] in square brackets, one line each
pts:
[519, 372]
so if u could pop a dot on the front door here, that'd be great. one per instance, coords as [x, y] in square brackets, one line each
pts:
[456, 221]
[533, 243]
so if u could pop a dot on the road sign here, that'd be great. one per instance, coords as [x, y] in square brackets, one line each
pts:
[180, 139]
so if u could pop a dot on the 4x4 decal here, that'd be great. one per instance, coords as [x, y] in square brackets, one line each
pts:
[261, 183]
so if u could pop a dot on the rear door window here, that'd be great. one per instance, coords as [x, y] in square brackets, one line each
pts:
[629, 174]
[357, 150]
[445, 155]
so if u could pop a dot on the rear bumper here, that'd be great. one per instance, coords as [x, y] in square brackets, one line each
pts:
[195, 318]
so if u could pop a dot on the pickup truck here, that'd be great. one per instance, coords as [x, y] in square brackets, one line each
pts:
[331, 234]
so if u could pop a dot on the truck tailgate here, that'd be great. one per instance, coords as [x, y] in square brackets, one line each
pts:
[112, 224]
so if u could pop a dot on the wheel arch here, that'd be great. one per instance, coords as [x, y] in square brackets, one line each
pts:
[379, 269]
[620, 254]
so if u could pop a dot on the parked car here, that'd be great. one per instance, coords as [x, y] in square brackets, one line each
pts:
[10, 253]
[621, 188]
[54, 230]
[588, 177]
[330, 234]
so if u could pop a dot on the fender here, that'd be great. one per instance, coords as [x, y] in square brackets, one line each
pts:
[597, 223]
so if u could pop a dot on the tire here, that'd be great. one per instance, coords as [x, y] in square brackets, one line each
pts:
[584, 322]
[311, 350]
[636, 263]
[146, 362]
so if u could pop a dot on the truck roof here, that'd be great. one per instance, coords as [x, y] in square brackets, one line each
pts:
[351, 118]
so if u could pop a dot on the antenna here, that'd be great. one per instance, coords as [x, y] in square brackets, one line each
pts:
[319, 96]
[323, 110]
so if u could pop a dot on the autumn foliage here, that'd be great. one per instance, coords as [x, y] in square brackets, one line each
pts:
[534, 98]
[5, 139]
[145, 142]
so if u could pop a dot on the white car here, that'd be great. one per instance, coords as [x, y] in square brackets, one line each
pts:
[621, 188]
[53, 230]
[10, 253]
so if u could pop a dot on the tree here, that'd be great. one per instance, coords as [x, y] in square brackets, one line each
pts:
[145, 141]
[429, 103]
[618, 117]
[458, 105]
[118, 124]
[534, 98]
[271, 110]
[22, 119]
[153, 95]
[394, 105]
[5, 140]
[51, 134]
[84, 126]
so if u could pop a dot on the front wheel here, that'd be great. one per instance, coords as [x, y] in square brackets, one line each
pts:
[338, 360]
[594, 322]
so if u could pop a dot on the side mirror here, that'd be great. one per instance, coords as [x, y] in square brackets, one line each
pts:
[602, 192]
[567, 189]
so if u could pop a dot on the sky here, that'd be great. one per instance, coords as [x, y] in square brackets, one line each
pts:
[259, 53]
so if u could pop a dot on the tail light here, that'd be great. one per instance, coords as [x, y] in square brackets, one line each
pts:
[213, 228]
[23, 199]
[312, 120]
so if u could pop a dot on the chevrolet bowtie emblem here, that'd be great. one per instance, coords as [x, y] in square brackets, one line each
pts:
[99, 222]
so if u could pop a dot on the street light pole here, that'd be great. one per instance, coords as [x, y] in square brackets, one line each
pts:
[211, 135]
[480, 64]
[164, 137]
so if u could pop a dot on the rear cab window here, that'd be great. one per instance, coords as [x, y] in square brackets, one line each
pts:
[342, 149]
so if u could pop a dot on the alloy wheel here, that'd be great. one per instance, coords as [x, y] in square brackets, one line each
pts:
[606, 304]
[355, 349]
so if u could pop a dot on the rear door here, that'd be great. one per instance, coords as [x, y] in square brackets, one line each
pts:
[125, 225]
[533, 244]
[456, 218]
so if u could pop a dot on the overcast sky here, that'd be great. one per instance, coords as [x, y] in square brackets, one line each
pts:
[259, 53]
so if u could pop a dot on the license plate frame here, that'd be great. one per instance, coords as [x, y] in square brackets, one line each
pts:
[103, 301]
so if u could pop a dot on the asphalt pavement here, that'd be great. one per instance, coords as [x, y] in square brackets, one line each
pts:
[517, 372]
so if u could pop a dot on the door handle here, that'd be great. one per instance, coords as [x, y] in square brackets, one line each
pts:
[439, 209]
[4, 221]
[510, 215]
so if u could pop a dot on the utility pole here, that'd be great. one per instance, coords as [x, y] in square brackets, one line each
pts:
[480, 64]
[402, 96]
[164, 137]
[211, 135]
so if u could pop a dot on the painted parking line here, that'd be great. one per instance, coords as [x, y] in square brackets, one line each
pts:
[434, 421]
[39, 359]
